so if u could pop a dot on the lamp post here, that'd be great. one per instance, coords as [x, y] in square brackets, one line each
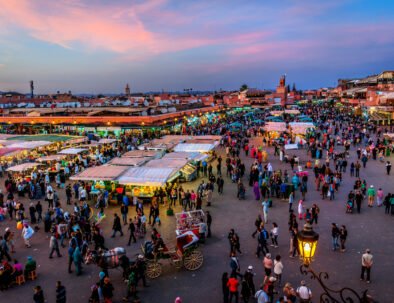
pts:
[307, 244]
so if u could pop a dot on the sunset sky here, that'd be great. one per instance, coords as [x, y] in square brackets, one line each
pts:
[97, 46]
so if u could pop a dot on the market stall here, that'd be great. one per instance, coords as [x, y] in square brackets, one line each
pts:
[73, 151]
[129, 161]
[22, 171]
[23, 167]
[191, 156]
[142, 153]
[107, 141]
[51, 158]
[196, 147]
[143, 182]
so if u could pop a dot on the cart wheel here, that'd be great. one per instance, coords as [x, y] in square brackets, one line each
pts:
[153, 270]
[194, 260]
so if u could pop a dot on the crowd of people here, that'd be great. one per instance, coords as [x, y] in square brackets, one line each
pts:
[76, 224]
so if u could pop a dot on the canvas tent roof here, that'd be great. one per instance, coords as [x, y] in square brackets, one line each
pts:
[23, 167]
[195, 147]
[172, 163]
[72, 151]
[129, 161]
[51, 158]
[7, 151]
[146, 176]
[185, 155]
[100, 173]
[107, 141]
[29, 144]
[140, 153]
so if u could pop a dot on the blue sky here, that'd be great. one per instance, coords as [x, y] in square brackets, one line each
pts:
[99, 46]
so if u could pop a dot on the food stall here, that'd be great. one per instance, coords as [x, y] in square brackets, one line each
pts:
[142, 153]
[22, 170]
[102, 178]
[143, 181]
[128, 161]
[274, 129]
[73, 151]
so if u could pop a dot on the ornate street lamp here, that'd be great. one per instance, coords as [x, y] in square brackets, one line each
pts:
[307, 244]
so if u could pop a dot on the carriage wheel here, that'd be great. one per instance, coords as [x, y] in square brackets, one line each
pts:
[194, 260]
[153, 270]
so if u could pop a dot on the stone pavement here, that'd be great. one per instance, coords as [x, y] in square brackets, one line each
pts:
[370, 229]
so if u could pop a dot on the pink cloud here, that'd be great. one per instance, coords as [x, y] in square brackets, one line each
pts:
[116, 28]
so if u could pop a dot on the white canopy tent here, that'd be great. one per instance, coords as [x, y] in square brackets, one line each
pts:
[275, 126]
[72, 151]
[163, 163]
[51, 158]
[107, 141]
[186, 155]
[141, 153]
[195, 147]
[29, 144]
[100, 173]
[129, 161]
[146, 176]
[23, 167]
[301, 127]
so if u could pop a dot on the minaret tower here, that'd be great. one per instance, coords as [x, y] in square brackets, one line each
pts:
[127, 90]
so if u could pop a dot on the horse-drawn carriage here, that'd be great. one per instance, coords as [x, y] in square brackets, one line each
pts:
[186, 254]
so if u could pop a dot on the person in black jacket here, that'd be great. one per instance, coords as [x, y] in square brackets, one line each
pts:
[116, 226]
[60, 293]
[132, 231]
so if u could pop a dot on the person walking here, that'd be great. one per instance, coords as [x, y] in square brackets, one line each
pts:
[124, 210]
[387, 204]
[343, 237]
[261, 296]
[371, 193]
[234, 264]
[262, 239]
[291, 200]
[274, 235]
[267, 262]
[358, 198]
[54, 246]
[132, 232]
[38, 296]
[366, 264]
[278, 269]
[265, 205]
[233, 285]
[304, 293]
[357, 167]
[209, 223]
[379, 197]
[225, 289]
[388, 167]
[248, 276]
[315, 213]
[300, 209]
[60, 293]
[116, 226]
[334, 235]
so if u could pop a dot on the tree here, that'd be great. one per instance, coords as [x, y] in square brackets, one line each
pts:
[243, 87]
